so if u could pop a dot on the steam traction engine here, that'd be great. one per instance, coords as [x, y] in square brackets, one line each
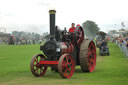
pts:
[63, 51]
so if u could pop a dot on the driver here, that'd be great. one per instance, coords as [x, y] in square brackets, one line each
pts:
[104, 43]
[72, 29]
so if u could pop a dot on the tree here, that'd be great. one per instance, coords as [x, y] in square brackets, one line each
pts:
[26, 37]
[90, 28]
[112, 32]
[122, 30]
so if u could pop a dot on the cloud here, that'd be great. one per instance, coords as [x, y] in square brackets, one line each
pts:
[68, 11]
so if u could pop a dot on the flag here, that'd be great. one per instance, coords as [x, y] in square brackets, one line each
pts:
[122, 23]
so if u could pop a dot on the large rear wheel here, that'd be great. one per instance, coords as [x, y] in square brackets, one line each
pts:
[87, 56]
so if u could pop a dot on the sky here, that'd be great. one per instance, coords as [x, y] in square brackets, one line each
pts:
[33, 16]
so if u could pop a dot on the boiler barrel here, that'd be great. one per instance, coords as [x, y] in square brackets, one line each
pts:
[52, 48]
[66, 48]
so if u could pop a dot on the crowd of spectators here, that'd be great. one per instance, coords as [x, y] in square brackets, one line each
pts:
[122, 42]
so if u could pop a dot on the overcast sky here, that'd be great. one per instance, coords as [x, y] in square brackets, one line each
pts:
[32, 15]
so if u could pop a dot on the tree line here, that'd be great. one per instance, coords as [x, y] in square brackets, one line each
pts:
[21, 37]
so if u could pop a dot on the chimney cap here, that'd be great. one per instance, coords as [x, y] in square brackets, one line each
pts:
[52, 11]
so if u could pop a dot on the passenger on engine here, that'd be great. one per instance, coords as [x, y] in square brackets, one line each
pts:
[72, 29]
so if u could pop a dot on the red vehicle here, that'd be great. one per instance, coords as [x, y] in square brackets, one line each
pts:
[63, 51]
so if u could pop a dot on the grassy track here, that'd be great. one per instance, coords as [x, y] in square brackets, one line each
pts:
[15, 70]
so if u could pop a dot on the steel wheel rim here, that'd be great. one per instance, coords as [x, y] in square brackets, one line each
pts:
[91, 57]
[66, 66]
[37, 69]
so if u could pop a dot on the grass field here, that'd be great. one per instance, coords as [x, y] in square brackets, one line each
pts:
[15, 69]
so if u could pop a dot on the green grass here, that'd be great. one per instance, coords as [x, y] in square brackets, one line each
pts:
[15, 69]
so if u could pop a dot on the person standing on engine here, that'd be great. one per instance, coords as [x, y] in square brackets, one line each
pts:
[72, 29]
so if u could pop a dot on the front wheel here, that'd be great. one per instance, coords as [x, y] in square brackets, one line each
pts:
[36, 68]
[66, 66]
